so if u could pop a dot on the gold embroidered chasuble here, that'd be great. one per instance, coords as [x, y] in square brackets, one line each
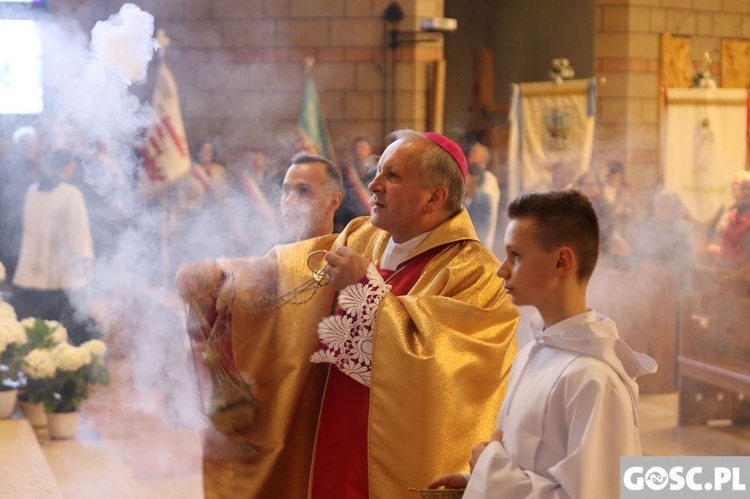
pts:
[441, 359]
[272, 349]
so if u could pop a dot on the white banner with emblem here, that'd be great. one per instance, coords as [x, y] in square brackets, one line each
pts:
[704, 144]
[550, 122]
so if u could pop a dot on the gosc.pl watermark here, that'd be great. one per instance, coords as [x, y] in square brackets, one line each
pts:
[686, 477]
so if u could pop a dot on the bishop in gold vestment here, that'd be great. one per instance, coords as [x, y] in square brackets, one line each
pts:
[445, 348]
[440, 358]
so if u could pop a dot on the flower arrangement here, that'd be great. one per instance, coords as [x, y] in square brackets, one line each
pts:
[43, 333]
[57, 373]
[703, 77]
[561, 69]
[40, 334]
[12, 342]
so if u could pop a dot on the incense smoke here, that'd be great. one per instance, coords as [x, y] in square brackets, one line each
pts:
[90, 109]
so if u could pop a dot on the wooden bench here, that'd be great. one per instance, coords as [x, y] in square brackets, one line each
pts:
[714, 351]
[644, 302]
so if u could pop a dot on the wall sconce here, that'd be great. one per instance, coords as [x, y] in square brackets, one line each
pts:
[429, 27]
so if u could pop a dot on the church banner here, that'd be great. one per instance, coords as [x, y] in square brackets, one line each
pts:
[312, 125]
[704, 144]
[550, 122]
[166, 156]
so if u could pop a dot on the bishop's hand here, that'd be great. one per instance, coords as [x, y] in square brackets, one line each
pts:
[345, 266]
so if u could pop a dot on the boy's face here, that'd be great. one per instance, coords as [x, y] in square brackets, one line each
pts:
[528, 270]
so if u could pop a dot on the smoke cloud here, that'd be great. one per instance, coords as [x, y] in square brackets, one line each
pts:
[90, 109]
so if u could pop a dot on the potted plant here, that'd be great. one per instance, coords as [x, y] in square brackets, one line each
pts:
[60, 378]
[12, 341]
[42, 334]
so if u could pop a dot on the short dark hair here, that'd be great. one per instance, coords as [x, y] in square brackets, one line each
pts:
[562, 218]
[475, 170]
[616, 166]
[199, 145]
[363, 138]
[59, 159]
[333, 172]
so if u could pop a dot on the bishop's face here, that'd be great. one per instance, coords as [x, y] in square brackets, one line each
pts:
[399, 197]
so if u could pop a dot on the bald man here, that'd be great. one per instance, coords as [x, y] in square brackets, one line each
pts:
[312, 191]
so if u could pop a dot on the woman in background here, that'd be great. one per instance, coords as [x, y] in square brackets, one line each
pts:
[667, 237]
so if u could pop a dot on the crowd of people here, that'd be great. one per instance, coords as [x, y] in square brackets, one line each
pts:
[352, 326]
[663, 229]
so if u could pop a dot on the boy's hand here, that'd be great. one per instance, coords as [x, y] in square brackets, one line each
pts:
[452, 481]
[479, 448]
[457, 480]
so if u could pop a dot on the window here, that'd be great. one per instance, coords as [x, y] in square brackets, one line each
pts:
[20, 67]
[20, 57]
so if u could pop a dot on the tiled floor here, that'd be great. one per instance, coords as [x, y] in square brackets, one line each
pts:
[661, 436]
[127, 447]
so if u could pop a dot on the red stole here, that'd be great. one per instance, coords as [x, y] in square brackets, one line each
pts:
[340, 465]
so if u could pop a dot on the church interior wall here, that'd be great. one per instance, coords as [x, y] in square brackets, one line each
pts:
[239, 65]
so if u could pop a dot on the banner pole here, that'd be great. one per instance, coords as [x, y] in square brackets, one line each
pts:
[165, 259]
[163, 40]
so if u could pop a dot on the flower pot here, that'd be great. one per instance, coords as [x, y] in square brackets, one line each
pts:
[34, 412]
[7, 402]
[62, 425]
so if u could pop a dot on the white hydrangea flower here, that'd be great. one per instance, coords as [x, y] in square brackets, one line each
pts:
[11, 331]
[39, 364]
[70, 358]
[97, 348]
[28, 322]
[59, 334]
[7, 312]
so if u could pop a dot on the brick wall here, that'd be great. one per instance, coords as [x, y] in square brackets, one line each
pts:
[239, 66]
[627, 53]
